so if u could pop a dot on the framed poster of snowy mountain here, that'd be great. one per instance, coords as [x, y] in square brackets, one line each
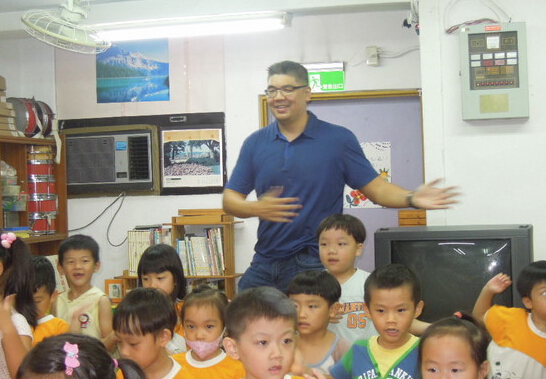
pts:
[192, 160]
[133, 71]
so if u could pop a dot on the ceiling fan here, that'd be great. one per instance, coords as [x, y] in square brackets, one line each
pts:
[64, 30]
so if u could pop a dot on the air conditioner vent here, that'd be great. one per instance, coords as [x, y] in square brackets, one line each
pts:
[139, 168]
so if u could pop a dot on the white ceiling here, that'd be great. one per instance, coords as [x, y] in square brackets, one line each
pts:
[23, 5]
[107, 11]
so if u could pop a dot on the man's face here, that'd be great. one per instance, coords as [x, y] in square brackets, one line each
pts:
[288, 107]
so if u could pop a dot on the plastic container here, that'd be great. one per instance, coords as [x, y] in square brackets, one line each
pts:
[15, 203]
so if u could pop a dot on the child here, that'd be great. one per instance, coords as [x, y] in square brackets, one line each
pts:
[17, 308]
[44, 295]
[454, 347]
[341, 239]
[84, 307]
[143, 323]
[160, 267]
[74, 356]
[203, 320]
[315, 294]
[518, 349]
[261, 332]
[393, 300]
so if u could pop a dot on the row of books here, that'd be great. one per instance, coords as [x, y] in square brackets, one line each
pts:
[202, 255]
[142, 237]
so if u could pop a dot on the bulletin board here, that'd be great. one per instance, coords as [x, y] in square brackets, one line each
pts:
[386, 116]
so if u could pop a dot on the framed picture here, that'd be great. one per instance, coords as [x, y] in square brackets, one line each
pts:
[115, 289]
[192, 159]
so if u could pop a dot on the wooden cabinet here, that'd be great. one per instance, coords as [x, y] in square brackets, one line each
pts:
[200, 218]
[14, 151]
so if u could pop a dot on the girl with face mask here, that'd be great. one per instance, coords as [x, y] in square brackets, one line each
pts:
[202, 318]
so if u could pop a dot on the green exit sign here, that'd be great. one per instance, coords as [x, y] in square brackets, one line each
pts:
[326, 77]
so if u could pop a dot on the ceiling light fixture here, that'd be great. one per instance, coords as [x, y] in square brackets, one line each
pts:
[235, 23]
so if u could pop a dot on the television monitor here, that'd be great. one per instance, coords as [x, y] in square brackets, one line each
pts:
[454, 262]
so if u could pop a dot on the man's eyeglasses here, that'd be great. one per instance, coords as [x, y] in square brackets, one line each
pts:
[286, 90]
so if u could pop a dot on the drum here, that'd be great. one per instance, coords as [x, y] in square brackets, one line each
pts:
[39, 202]
[39, 153]
[43, 222]
[43, 167]
[25, 115]
[42, 184]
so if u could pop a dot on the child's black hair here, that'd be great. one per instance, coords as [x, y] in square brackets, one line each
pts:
[256, 303]
[204, 295]
[392, 276]
[316, 282]
[79, 242]
[44, 274]
[159, 258]
[464, 326]
[530, 276]
[18, 278]
[349, 224]
[48, 357]
[144, 311]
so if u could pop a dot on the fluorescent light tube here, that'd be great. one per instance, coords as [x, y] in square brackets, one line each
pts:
[193, 26]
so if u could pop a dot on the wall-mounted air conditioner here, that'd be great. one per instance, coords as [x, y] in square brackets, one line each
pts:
[111, 159]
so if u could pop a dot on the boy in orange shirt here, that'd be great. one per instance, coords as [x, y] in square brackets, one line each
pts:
[518, 349]
[44, 295]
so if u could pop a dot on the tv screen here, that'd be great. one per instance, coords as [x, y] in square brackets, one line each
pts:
[453, 263]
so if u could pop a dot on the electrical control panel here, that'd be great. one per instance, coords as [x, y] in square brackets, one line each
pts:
[494, 71]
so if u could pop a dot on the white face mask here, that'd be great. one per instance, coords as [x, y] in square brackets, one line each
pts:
[204, 348]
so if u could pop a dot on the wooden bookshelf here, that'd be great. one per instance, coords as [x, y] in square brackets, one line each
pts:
[214, 218]
[13, 150]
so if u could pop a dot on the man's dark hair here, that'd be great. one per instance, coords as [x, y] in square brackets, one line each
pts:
[289, 68]
[392, 276]
[349, 224]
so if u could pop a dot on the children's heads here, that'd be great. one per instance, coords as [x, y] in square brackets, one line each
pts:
[393, 297]
[531, 284]
[74, 356]
[456, 346]
[160, 267]
[261, 332]
[144, 322]
[341, 239]
[17, 275]
[203, 320]
[44, 284]
[79, 260]
[315, 294]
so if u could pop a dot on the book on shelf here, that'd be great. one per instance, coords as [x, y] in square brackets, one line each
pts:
[140, 238]
[202, 255]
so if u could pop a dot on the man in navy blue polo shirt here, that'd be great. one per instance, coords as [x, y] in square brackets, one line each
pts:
[298, 166]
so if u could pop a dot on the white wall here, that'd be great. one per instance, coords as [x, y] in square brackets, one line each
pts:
[499, 164]
[241, 62]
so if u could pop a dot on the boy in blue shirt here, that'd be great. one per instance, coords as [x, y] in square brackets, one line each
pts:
[393, 299]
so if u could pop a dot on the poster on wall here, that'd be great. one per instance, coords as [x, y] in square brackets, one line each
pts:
[134, 71]
[379, 155]
[192, 161]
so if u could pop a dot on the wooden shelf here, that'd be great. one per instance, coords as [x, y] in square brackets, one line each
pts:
[13, 151]
[210, 217]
